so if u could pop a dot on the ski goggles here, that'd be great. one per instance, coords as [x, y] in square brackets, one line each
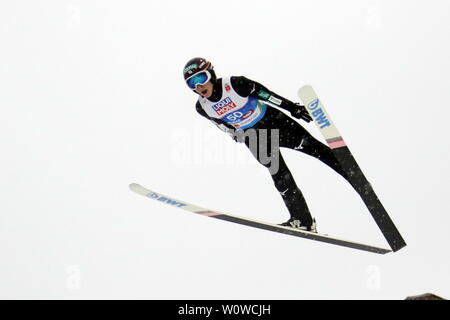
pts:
[198, 79]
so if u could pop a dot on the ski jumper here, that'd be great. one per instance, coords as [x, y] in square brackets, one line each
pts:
[240, 103]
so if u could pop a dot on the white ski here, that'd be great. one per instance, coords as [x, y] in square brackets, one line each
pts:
[350, 166]
[253, 223]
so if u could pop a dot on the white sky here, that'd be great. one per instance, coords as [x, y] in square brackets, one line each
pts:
[92, 98]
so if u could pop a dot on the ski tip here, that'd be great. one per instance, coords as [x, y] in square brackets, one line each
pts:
[133, 186]
[139, 189]
[305, 87]
[306, 92]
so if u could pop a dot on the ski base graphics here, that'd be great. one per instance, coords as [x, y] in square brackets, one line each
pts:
[350, 166]
[253, 223]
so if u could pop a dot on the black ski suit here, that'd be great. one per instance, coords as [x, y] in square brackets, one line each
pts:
[291, 135]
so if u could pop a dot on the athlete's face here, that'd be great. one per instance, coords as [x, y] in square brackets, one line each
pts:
[205, 90]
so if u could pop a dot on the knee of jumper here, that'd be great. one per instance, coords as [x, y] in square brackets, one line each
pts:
[283, 180]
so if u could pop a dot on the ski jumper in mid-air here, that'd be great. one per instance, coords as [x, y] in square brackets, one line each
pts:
[237, 103]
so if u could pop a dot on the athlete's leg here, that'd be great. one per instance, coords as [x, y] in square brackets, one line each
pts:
[294, 136]
[282, 177]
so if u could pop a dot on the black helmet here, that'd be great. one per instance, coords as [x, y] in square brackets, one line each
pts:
[198, 65]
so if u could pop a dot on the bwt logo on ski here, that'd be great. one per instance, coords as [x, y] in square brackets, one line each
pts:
[164, 199]
[318, 114]
[224, 106]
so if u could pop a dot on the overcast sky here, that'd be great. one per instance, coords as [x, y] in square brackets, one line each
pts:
[92, 98]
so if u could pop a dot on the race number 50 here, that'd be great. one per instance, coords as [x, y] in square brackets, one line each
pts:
[234, 116]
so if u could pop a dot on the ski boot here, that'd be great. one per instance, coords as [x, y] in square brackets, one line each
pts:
[297, 224]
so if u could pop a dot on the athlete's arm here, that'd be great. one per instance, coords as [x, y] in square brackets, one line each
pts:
[222, 125]
[246, 87]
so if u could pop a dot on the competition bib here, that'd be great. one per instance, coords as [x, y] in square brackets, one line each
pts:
[240, 112]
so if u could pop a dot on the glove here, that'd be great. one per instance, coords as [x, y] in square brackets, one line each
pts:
[299, 112]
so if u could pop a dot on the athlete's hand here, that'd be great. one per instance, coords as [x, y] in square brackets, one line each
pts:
[299, 112]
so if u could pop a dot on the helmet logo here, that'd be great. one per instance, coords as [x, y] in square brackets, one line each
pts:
[190, 67]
